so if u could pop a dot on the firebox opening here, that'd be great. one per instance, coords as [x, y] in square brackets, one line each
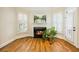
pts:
[38, 32]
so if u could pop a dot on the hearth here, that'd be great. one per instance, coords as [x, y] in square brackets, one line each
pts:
[38, 32]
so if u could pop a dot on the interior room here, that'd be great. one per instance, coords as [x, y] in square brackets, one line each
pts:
[39, 29]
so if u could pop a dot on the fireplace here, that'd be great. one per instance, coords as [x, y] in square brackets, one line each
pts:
[38, 32]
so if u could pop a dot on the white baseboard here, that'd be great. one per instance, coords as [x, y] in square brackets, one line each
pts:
[61, 37]
[65, 38]
[70, 42]
[21, 36]
[7, 42]
[77, 46]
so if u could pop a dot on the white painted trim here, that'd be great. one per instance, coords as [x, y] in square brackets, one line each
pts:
[70, 42]
[75, 43]
[21, 36]
[77, 46]
[7, 42]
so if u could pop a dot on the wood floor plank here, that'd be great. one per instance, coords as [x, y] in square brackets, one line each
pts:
[36, 46]
[32, 45]
[23, 46]
[42, 45]
[29, 44]
[47, 46]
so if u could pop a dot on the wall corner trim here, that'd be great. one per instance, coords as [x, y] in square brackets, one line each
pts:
[6, 43]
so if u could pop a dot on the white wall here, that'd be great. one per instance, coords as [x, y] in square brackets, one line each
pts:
[31, 12]
[7, 25]
[77, 41]
[34, 11]
[27, 12]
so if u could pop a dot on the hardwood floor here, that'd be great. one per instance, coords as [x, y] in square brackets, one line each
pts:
[38, 45]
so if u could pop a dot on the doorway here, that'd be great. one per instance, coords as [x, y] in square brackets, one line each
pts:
[70, 24]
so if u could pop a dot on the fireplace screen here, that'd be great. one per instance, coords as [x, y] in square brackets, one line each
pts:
[38, 31]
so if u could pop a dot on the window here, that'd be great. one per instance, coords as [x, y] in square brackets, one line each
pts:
[22, 22]
[58, 22]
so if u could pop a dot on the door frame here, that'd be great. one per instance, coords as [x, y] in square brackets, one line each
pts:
[75, 38]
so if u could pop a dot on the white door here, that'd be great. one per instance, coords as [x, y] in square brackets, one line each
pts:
[70, 23]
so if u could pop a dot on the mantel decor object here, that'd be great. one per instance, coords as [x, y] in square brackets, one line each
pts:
[39, 19]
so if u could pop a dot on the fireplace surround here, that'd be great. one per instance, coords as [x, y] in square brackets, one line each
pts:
[38, 32]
